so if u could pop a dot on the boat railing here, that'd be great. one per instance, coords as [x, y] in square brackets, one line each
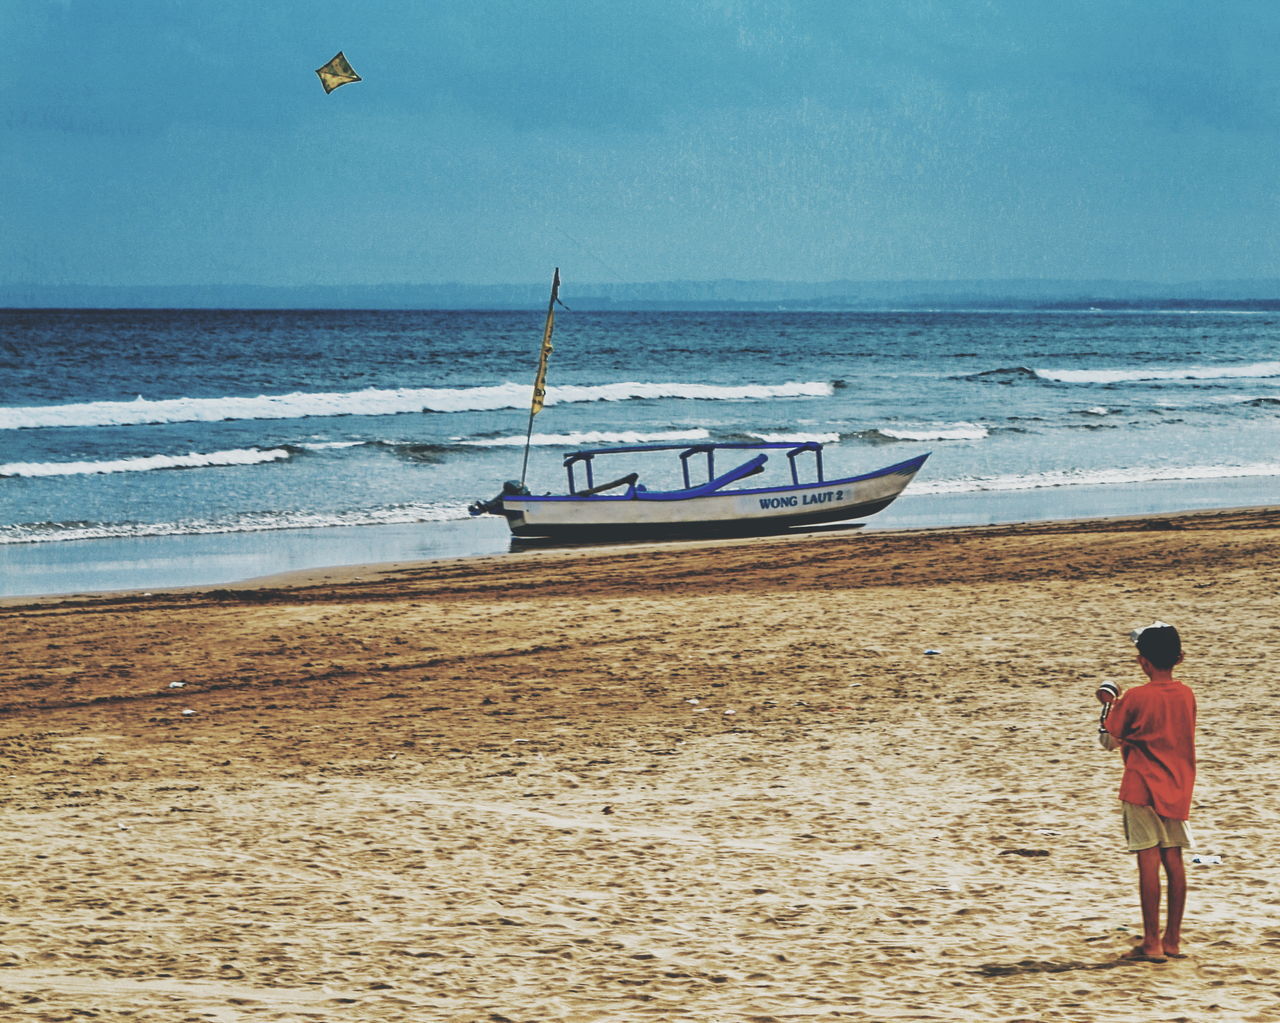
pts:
[709, 450]
[813, 446]
[793, 450]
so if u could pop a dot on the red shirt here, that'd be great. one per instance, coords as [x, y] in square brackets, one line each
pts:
[1156, 724]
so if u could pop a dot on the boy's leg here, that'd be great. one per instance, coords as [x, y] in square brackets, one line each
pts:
[1177, 875]
[1149, 894]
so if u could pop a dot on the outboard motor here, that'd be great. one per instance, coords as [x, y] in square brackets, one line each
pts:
[512, 488]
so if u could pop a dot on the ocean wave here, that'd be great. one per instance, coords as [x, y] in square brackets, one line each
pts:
[1252, 371]
[423, 452]
[1009, 375]
[1095, 477]
[1097, 417]
[795, 438]
[249, 522]
[327, 445]
[1005, 375]
[587, 438]
[146, 463]
[951, 431]
[380, 402]
[1262, 402]
[925, 432]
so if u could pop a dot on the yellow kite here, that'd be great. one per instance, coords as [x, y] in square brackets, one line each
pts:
[337, 72]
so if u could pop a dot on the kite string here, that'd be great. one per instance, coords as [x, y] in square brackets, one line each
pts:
[618, 275]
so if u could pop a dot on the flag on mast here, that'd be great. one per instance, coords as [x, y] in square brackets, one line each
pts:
[540, 381]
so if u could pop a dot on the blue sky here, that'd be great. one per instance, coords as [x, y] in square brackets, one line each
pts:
[179, 142]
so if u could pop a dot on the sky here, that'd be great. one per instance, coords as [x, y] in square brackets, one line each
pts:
[153, 142]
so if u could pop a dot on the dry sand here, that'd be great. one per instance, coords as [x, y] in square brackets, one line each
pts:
[709, 783]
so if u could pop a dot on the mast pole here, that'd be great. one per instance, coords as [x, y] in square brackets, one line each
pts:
[528, 439]
[540, 381]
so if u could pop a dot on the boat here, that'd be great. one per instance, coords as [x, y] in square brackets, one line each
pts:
[624, 508]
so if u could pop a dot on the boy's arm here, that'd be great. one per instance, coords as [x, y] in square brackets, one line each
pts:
[1113, 726]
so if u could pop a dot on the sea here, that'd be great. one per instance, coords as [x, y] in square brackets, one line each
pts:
[143, 449]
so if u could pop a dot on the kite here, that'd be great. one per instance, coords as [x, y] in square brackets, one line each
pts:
[337, 72]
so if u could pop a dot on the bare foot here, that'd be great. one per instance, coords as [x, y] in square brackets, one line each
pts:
[1141, 954]
[1171, 950]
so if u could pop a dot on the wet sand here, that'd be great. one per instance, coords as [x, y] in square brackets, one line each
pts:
[687, 782]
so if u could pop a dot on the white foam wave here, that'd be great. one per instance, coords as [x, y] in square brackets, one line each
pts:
[703, 392]
[949, 431]
[1095, 477]
[379, 402]
[146, 463]
[589, 437]
[797, 438]
[1255, 370]
[45, 532]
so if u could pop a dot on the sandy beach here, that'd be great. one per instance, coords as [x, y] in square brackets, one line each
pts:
[836, 776]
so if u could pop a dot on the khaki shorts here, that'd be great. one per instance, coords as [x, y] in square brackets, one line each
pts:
[1144, 828]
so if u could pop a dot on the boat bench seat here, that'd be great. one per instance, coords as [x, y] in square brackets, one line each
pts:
[629, 481]
[747, 468]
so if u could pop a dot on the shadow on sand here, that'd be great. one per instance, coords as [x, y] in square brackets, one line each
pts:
[1049, 966]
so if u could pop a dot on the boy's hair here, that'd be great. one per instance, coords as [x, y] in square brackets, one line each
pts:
[1160, 644]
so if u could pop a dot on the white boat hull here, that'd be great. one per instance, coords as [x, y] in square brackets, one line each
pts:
[725, 512]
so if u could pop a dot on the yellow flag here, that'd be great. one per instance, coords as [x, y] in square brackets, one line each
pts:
[540, 381]
[337, 72]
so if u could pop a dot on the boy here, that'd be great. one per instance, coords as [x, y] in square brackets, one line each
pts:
[1153, 725]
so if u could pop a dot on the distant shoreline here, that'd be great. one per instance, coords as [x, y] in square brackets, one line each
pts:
[672, 296]
[1100, 306]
